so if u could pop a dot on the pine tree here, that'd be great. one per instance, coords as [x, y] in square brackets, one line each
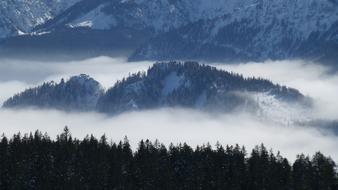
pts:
[34, 161]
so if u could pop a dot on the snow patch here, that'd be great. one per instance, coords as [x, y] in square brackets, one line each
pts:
[21, 33]
[281, 112]
[87, 23]
[96, 19]
[40, 33]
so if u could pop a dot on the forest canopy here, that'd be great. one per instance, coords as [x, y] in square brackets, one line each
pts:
[35, 161]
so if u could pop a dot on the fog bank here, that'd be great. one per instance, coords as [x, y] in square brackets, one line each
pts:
[313, 80]
[175, 125]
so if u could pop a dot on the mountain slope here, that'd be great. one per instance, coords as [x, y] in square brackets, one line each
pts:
[21, 16]
[262, 30]
[154, 15]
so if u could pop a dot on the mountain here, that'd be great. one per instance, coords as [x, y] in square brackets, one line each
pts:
[78, 93]
[171, 84]
[93, 28]
[256, 31]
[221, 30]
[18, 17]
[152, 15]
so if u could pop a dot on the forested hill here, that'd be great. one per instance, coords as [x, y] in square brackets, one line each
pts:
[36, 162]
[78, 93]
[169, 84]
[190, 85]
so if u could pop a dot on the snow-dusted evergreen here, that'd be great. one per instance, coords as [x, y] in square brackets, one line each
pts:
[78, 93]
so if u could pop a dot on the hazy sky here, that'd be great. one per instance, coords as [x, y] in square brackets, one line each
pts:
[175, 125]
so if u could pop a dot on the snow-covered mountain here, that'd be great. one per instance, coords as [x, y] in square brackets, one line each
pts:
[255, 30]
[156, 15]
[21, 16]
[304, 17]
[78, 93]
[182, 29]
[185, 29]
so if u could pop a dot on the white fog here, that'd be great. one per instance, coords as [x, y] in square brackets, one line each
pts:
[175, 125]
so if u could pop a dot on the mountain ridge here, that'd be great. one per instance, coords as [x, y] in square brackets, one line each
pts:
[217, 30]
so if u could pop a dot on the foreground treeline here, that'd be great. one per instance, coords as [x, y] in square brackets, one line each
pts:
[36, 162]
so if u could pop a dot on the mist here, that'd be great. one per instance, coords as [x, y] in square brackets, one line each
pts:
[314, 80]
[104, 69]
[175, 125]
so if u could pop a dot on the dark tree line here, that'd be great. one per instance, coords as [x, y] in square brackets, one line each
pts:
[35, 161]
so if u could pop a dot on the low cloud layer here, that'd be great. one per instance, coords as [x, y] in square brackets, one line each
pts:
[314, 80]
[174, 125]
[103, 69]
